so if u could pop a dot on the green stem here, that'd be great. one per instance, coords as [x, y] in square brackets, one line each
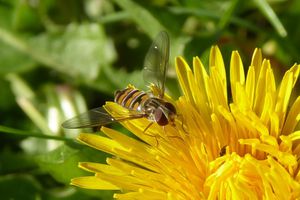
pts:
[5, 129]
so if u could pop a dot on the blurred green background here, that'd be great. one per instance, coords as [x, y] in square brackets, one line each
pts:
[59, 58]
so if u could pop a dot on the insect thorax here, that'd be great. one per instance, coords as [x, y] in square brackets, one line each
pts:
[160, 111]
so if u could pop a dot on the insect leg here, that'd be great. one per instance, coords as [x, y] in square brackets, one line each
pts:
[182, 124]
[148, 126]
[171, 136]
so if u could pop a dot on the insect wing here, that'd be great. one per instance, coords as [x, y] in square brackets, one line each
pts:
[156, 62]
[98, 117]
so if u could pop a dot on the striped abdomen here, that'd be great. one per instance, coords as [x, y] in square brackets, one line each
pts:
[131, 98]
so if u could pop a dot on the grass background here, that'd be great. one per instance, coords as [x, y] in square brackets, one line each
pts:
[59, 58]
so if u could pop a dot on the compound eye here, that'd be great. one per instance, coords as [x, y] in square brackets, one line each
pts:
[160, 117]
[170, 107]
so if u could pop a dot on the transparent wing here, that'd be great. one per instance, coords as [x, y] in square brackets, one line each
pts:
[156, 62]
[99, 117]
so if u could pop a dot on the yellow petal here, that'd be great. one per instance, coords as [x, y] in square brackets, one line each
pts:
[183, 73]
[237, 76]
[97, 168]
[93, 182]
[216, 60]
[201, 87]
[99, 142]
[261, 87]
[283, 97]
[250, 85]
[292, 118]
[295, 70]
[256, 62]
[218, 94]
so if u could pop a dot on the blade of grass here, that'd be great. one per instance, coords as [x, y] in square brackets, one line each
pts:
[25, 97]
[114, 17]
[214, 15]
[142, 17]
[269, 13]
[225, 19]
[14, 131]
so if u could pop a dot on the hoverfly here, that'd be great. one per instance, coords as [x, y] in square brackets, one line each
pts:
[139, 104]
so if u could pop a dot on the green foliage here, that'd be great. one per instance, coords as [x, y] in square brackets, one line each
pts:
[28, 188]
[59, 57]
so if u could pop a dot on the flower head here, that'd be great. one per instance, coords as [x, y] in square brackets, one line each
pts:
[244, 148]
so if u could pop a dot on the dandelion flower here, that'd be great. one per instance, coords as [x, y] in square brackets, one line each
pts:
[244, 148]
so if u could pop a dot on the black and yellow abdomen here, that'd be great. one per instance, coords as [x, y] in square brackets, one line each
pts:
[131, 98]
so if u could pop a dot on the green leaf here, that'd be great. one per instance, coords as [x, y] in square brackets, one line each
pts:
[80, 51]
[13, 61]
[62, 163]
